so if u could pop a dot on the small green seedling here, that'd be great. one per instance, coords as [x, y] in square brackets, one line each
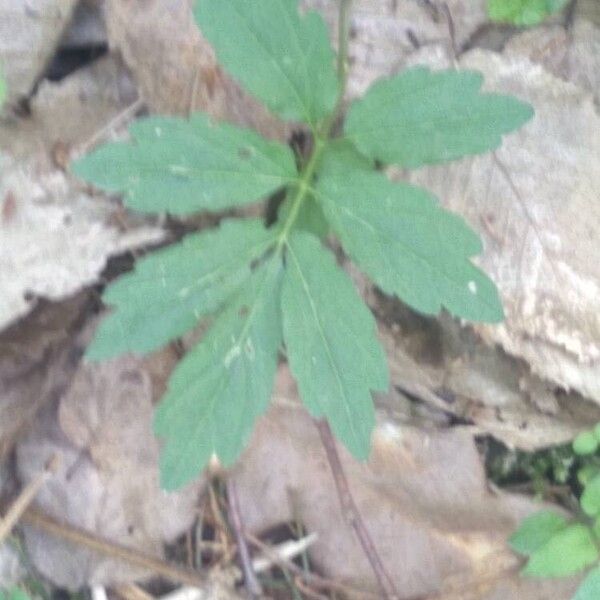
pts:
[268, 288]
[523, 12]
[557, 547]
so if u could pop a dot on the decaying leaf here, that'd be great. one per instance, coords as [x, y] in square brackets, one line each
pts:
[422, 494]
[29, 32]
[572, 55]
[175, 67]
[55, 238]
[107, 481]
[535, 204]
[36, 363]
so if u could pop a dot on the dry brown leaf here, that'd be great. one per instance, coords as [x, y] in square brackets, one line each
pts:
[29, 33]
[107, 482]
[423, 496]
[534, 202]
[175, 67]
[37, 363]
[572, 55]
[385, 32]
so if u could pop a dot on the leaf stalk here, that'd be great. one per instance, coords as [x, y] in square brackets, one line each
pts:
[321, 137]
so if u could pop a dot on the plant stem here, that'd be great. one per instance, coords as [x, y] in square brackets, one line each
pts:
[352, 514]
[112, 550]
[321, 136]
[252, 584]
[303, 189]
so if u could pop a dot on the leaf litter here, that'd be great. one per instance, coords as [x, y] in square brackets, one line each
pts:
[477, 550]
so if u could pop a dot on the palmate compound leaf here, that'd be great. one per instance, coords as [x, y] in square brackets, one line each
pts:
[183, 166]
[282, 58]
[422, 117]
[223, 384]
[171, 289]
[400, 236]
[331, 342]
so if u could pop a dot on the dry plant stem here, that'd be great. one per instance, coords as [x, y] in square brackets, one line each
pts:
[309, 593]
[310, 578]
[252, 584]
[81, 537]
[352, 514]
[123, 117]
[25, 498]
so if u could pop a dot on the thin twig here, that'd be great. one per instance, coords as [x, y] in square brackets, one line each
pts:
[451, 30]
[287, 550]
[316, 580]
[308, 592]
[124, 116]
[252, 584]
[89, 540]
[351, 512]
[25, 498]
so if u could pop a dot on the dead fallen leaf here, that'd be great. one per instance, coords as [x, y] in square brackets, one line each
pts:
[423, 496]
[175, 67]
[572, 55]
[58, 239]
[29, 33]
[107, 482]
[534, 202]
[37, 363]
[385, 32]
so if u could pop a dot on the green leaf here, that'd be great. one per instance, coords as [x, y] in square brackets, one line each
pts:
[590, 586]
[171, 289]
[590, 499]
[569, 551]
[596, 431]
[283, 59]
[402, 239]
[535, 531]
[183, 166]
[585, 443]
[422, 117]
[587, 473]
[331, 342]
[523, 12]
[221, 386]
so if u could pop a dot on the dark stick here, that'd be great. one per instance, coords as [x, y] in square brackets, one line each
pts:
[252, 583]
[351, 513]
